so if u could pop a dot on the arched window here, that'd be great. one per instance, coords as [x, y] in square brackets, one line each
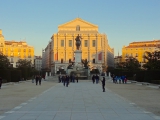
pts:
[77, 28]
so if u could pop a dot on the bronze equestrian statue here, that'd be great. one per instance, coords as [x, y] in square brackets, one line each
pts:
[78, 41]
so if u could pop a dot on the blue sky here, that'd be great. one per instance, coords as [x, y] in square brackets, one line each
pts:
[124, 21]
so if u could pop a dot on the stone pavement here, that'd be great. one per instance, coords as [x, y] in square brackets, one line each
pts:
[79, 101]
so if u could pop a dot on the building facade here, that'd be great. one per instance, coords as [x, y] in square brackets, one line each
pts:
[38, 63]
[94, 45]
[16, 50]
[117, 60]
[138, 49]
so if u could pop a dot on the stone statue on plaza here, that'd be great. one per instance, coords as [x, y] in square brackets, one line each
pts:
[78, 41]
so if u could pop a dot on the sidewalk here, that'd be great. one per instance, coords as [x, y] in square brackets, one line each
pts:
[79, 101]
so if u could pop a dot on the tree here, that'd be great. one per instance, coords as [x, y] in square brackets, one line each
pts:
[23, 63]
[153, 60]
[121, 65]
[132, 64]
[26, 68]
[4, 62]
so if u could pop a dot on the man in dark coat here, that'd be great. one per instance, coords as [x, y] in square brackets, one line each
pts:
[77, 78]
[93, 79]
[103, 84]
[40, 79]
[67, 80]
[37, 79]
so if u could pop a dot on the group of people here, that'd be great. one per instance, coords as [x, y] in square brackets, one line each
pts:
[119, 79]
[66, 79]
[37, 78]
[95, 78]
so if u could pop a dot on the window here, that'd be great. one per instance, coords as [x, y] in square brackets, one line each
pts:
[93, 60]
[11, 54]
[70, 61]
[93, 43]
[136, 55]
[19, 50]
[61, 60]
[62, 43]
[70, 43]
[77, 28]
[29, 50]
[24, 50]
[85, 43]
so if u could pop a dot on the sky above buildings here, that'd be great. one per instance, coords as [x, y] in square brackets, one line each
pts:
[123, 21]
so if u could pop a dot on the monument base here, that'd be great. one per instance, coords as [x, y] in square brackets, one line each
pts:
[78, 57]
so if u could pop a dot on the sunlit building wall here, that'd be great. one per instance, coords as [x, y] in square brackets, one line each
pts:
[138, 49]
[94, 46]
[16, 50]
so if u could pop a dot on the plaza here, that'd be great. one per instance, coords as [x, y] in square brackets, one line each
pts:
[79, 101]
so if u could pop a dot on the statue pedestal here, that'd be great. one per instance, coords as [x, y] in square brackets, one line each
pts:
[78, 57]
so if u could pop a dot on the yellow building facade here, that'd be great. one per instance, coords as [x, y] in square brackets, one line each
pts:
[16, 50]
[94, 45]
[138, 49]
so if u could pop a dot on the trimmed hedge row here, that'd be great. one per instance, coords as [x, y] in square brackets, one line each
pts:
[140, 76]
[10, 75]
[16, 75]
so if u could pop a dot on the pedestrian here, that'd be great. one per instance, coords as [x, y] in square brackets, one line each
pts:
[93, 79]
[0, 82]
[37, 78]
[67, 80]
[97, 78]
[40, 79]
[77, 78]
[103, 84]
[73, 77]
[122, 78]
[125, 79]
[64, 80]
[59, 78]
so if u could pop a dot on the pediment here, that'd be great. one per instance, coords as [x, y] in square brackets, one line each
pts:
[77, 22]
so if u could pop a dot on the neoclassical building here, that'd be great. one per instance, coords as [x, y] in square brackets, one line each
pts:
[94, 45]
[138, 49]
[16, 50]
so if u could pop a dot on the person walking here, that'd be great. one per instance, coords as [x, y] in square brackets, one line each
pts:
[103, 84]
[77, 78]
[64, 80]
[73, 77]
[37, 78]
[125, 79]
[59, 78]
[40, 79]
[93, 79]
[67, 80]
[96, 77]
[0, 82]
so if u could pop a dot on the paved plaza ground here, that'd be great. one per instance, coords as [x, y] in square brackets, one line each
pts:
[79, 101]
